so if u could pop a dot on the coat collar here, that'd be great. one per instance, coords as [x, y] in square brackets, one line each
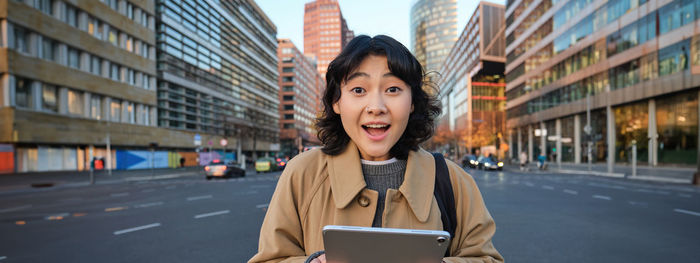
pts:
[345, 172]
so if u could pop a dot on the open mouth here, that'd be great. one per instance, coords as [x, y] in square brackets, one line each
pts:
[376, 131]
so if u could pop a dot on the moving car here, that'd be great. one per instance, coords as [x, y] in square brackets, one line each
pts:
[217, 168]
[490, 163]
[470, 161]
[281, 162]
[265, 164]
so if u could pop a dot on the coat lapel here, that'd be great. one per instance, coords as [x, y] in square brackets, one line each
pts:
[346, 175]
[419, 183]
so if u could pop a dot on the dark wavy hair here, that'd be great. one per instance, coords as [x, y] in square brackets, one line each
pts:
[403, 65]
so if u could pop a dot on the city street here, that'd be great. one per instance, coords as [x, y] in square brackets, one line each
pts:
[540, 218]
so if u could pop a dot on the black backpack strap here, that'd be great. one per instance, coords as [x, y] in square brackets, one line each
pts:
[445, 197]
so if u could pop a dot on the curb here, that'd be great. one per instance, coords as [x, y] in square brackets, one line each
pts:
[622, 175]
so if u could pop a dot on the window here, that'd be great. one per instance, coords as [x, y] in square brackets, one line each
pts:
[288, 69]
[288, 88]
[289, 116]
[95, 107]
[144, 19]
[21, 42]
[96, 65]
[23, 93]
[114, 72]
[131, 79]
[75, 102]
[113, 37]
[73, 58]
[288, 79]
[288, 97]
[129, 44]
[95, 27]
[49, 49]
[130, 112]
[45, 6]
[289, 125]
[145, 81]
[49, 98]
[70, 16]
[115, 110]
[130, 11]
[288, 107]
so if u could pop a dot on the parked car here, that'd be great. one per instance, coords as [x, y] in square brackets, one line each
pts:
[265, 164]
[218, 168]
[489, 163]
[470, 161]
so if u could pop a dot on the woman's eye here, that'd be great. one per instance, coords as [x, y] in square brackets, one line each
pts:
[393, 89]
[357, 90]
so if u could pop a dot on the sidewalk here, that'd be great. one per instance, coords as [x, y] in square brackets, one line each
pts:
[39, 181]
[683, 175]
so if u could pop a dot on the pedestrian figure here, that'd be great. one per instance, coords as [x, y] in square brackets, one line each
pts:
[523, 161]
[375, 115]
[182, 162]
[541, 162]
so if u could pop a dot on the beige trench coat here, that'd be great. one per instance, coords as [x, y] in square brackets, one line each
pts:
[316, 190]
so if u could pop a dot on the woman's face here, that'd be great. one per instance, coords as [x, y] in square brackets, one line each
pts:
[374, 107]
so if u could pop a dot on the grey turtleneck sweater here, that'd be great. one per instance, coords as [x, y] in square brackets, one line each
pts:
[380, 177]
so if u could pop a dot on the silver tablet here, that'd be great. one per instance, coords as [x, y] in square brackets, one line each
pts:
[352, 244]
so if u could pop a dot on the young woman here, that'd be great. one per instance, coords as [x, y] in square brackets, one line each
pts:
[371, 170]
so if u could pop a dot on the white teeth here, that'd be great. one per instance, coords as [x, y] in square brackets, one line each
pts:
[376, 126]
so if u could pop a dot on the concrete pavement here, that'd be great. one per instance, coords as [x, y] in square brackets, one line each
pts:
[666, 174]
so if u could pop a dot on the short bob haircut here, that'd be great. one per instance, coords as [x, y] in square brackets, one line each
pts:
[403, 65]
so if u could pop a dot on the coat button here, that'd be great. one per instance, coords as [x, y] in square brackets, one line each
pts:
[363, 201]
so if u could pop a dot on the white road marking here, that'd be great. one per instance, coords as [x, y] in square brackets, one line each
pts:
[212, 214]
[570, 192]
[120, 194]
[638, 203]
[12, 209]
[547, 187]
[602, 197]
[171, 187]
[124, 231]
[3, 257]
[686, 212]
[529, 184]
[148, 205]
[198, 197]
[262, 206]
[148, 190]
[685, 195]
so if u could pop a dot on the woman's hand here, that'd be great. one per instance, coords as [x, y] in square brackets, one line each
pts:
[319, 259]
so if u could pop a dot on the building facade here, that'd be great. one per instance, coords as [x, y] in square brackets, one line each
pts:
[300, 98]
[588, 79]
[433, 31]
[325, 32]
[217, 74]
[77, 82]
[472, 87]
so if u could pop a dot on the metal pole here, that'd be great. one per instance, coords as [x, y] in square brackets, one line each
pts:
[589, 131]
[634, 158]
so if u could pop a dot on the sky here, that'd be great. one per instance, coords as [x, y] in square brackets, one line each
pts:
[369, 17]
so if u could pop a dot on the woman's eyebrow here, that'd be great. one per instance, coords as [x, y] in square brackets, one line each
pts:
[355, 75]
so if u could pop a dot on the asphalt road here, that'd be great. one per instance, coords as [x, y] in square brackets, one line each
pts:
[540, 218]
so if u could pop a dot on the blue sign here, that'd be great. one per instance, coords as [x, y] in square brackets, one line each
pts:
[197, 139]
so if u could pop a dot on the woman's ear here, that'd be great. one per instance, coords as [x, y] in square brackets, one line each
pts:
[336, 107]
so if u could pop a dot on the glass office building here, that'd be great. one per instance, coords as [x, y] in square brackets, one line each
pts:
[634, 64]
[433, 31]
[217, 72]
[472, 87]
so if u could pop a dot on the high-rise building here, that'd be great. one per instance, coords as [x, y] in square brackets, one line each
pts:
[587, 80]
[433, 31]
[300, 98]
[77, 82]
[217, 73]
[472, 87]
[325, 32]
